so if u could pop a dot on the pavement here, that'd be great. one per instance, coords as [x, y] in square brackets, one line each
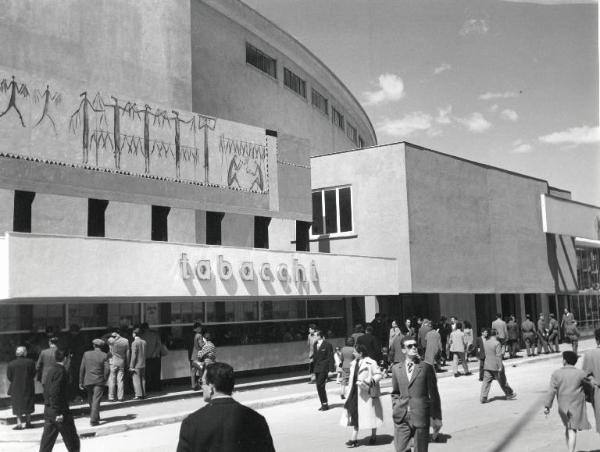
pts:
[173, 406]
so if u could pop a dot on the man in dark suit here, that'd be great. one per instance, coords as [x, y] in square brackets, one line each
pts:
[493, 369]
[93, 374]
[323, 363]
[57, 416]
[46, 360]
[371, 343]
[224, 425]
[415, 399]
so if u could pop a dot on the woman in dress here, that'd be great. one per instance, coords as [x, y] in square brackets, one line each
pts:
[21, 373]
[347, 358]
[363, 409]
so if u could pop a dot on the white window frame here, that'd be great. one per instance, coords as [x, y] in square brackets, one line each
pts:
[337, 189]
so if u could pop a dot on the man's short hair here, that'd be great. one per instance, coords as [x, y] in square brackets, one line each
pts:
[116, 330]
[319, 333]
[597, 334]
[362, 349]
[221, 376]
[350, 342]
[498, 315]
[484, 329]
[551, 315]
[369, 329]
[59, 355]
[312, 326]
[53, 340]
[528, 316]
[493, 332]
[144, 326]
[570, 357]
[407, 338]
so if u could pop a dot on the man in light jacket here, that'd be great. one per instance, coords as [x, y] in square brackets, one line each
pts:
[137, 366]
[93, 373]
[493, 369]
[119, 351]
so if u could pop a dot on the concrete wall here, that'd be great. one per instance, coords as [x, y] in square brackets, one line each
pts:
[570, 218]
[225, 86]
[379, 200]
[461, 306]
[237, 230]
[181, 225]
[82, 267]
[282, 234]
[7, 202]
[51, 214]
[128, 221]
[474, 228]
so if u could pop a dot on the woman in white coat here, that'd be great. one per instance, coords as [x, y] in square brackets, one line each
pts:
[363, 409]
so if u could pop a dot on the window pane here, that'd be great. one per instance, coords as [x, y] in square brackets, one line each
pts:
[283, 309]
[345, 209]
[231, 311]
[317, 205]
[123, 314]
[88, 315]
[9, 318]
[49, 315]
[330, 212]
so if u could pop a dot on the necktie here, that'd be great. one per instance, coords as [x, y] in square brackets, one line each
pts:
[411, 365]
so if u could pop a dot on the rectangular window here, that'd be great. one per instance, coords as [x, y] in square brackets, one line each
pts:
[160, 223]
[186, 312]
[22, 211]
[231, 311]
[261, 60]
[96, 210]
[89, 315]
[261, 232]
[352, 133]
[337, 118]
[123, 314]
[361, 142]
[302, 228]
[48, 315]
[320, 102]
[332, 211]
[294, 82]
[213, 227]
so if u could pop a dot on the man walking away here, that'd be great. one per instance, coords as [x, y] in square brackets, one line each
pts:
[46, 360]
[119, 358]
[223, 424]
[323, 363]
[415, 400]
[92, 376]
[573, 335]
[542, 335]
[553, 328]
[480, 347]
[137, 366]
[501, 330]
[371, 343]
[512, 341]
[591, 366]
[57, 416]
[310, 340]
[493, 369]
[528, 330]
[567, 385]
[433, 347]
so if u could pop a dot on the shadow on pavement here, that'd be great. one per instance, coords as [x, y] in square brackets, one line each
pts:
[383, 439]
[126, 417]
[441, 439]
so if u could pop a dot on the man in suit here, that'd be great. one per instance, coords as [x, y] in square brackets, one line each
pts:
[46, 360]
[542, 335]
[433, 347]
[119, 351]
[480, 347]
[223, 424]
[512, 337]
[422, 336]
[528, 330]
[93, 373]
[137, 366]
[323, 363]
[154, 352]
[493, 369]
[310, 340]
[371, 343]
[57, 416]
[591, 366]
[415, 399]
[395, 352]
[553, 328]
[566, 319]
[568, 384]
[501, 330]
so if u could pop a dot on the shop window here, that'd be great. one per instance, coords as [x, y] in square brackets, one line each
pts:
[22, 211]
[185, 312]
[261, 232]
[9, 318]
[88, 315]
[46, 315]
[160, 223]
[294, 82]
[325, 308]
[302, 242]
[96, 222]
[320, 102]
[231, 311]
[283, 309]
[337, 118]
[261, 60]
[213, 227]
[332, 211]
[123, 314]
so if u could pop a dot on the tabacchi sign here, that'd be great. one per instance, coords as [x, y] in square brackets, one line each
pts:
[204, 269]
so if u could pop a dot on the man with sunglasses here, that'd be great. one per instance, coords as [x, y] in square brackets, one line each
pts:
[415, 399]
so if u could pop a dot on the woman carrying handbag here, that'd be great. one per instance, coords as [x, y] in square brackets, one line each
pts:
[363, 409]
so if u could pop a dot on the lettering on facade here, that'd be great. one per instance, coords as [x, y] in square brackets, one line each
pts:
[224, 270]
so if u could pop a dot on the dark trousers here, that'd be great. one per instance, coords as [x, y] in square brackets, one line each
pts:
[67, 430]
[153, 374]
[321, 378]
[481, 362]
[542, 343]
[530, 344]
[404, 432]
[94, 393]
[553, 342]
[512, 346]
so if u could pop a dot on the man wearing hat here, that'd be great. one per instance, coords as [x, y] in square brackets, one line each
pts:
[92, 376]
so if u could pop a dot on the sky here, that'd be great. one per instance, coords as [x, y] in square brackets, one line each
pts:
[509, 83]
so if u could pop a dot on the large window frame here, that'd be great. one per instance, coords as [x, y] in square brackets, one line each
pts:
[340, 217]
[294, 82]
[261, 61]
[320, 102]
[338, 118]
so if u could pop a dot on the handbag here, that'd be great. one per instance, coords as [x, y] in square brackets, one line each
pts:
[374, 390]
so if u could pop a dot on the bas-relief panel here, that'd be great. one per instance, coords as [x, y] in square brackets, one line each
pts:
[53, 122]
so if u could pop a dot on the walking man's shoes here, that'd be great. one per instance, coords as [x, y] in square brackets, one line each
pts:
[511, 396]
[324, 407]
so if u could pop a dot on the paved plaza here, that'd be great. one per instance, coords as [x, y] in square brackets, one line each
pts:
[501, 425]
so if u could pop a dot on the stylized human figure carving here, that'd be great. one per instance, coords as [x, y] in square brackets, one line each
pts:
[82, 111]
[48, 98]
[15, 89]
[206, 123]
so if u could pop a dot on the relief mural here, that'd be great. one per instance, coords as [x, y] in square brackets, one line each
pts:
[47, 122]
